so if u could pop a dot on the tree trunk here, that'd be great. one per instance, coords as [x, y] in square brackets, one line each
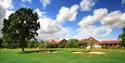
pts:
[23, 49]
[23, 44]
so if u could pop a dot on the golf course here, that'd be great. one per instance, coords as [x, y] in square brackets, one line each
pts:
[62, 55]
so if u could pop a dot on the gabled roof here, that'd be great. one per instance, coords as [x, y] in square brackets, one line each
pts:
[63, 41]
[91, 39]
[52, 42]
[57, 41]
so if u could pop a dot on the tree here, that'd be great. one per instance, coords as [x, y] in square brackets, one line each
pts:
[73, 43]
[82, 44]
[122, 37]
[21, 27]
[32, 44]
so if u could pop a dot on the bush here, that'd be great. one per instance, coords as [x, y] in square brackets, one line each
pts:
[48, 45]
[104, 47]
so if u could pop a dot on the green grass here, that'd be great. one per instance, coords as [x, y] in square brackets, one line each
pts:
[63, 56]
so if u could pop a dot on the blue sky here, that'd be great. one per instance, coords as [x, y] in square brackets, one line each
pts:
[101, 19]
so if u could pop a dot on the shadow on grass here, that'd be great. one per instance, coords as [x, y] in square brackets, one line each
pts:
[37, 51]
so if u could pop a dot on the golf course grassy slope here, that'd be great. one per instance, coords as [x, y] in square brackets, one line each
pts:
[62, 56]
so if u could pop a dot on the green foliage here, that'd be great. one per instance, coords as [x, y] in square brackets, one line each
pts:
[82, 44]
[104, 47]
[42, 45]
[32, 44]
[73, 43]
[20, 27]
[62, 45]
[48, 45]
[122, 38]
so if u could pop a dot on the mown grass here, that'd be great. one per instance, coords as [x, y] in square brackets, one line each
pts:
[63, 56]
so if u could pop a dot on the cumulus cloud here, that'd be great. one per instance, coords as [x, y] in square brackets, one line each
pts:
[8, 12]
[86, 5]
[4, 5]
[114, 19]
[67, 14]
[2, 15]
[48, 26]
[106, 29]
[91, 19]
[50, 30]
[45, 2]
[40, 13]
[108, 21]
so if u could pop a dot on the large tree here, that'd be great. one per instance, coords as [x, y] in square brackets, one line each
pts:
[20, 27]
[122, 37]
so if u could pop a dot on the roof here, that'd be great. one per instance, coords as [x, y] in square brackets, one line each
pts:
[109, 42]
[57, 41]
[63, 41]
[53, 41]
[91, 39]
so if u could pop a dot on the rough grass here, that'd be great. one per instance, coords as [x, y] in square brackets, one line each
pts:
[63, 56]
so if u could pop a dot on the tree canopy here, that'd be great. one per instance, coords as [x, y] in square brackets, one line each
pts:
[122, 37]
[20, 27]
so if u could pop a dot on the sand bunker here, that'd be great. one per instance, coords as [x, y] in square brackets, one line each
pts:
[77, 52]
[96, 52]
[45, 52]
[54, 52]
[48, 51]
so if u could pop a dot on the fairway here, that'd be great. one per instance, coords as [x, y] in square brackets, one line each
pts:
[63, 56]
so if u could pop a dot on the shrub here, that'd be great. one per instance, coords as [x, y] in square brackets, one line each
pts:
[104, 47]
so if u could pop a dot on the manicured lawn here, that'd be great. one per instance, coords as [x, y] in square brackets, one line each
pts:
[63, 56]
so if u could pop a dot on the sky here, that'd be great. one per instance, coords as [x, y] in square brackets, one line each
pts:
[76, 19]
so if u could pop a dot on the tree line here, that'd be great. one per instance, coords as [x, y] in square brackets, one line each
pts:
[72, 43]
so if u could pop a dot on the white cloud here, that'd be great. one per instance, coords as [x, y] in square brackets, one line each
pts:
[48, 26]
[6, 3]
[86, 5]
[23, 3]
[114, 19]
[2, 15]
[87, 31]
[106, 29]
[123, 2]
[45, 2]
[27, 1]
[67, 14]
[108, 21]
[91, 19]
[93, 31]
[50, 30]
[40, 13]
[8, 12]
